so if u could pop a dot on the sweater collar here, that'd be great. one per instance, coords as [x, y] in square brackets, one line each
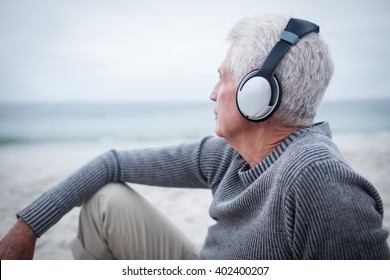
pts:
[249, 175]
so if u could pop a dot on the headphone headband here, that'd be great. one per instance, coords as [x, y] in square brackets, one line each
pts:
[295, 30]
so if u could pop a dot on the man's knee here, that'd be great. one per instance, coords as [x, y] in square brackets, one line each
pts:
[116, 197]
[114, 208]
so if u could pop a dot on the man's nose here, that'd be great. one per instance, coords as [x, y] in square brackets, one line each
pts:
[214, 95]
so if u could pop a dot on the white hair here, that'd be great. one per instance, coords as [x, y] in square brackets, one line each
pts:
[304, 73]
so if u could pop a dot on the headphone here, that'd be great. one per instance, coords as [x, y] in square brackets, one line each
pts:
[259, 92]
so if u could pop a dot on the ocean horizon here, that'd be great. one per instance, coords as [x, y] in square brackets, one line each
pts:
[152, 122]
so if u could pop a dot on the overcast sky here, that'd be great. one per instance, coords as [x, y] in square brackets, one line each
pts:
[125, 50]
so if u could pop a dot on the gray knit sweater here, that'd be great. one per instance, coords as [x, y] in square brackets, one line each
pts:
[302, 202]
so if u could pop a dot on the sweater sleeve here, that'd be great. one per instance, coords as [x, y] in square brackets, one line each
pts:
[334, 213]
[196, 165]
[185, 165]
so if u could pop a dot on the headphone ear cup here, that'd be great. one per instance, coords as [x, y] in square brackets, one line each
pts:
[257, 97]
[276, 93]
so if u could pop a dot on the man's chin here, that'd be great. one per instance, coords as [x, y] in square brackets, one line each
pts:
[218, 132]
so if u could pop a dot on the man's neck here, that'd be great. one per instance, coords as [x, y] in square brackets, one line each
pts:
[259, 140]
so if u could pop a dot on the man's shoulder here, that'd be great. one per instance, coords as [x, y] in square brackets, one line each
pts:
[311, 146]
[307, 150]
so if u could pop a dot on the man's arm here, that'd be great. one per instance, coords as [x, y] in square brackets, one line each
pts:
[18, 243]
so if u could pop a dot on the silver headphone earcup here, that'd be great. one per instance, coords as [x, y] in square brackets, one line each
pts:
[255, 96]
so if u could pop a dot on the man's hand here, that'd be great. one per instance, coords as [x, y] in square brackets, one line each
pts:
[18, 243]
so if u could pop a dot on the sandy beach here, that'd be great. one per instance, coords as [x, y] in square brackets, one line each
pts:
[28, 170]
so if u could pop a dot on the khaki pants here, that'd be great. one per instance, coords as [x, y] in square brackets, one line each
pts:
[117, 223]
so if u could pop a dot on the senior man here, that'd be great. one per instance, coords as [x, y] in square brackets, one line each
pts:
[281, 189]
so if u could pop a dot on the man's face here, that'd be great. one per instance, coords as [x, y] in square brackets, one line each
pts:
[227, 117]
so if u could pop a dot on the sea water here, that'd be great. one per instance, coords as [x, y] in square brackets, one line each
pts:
[44, 123]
